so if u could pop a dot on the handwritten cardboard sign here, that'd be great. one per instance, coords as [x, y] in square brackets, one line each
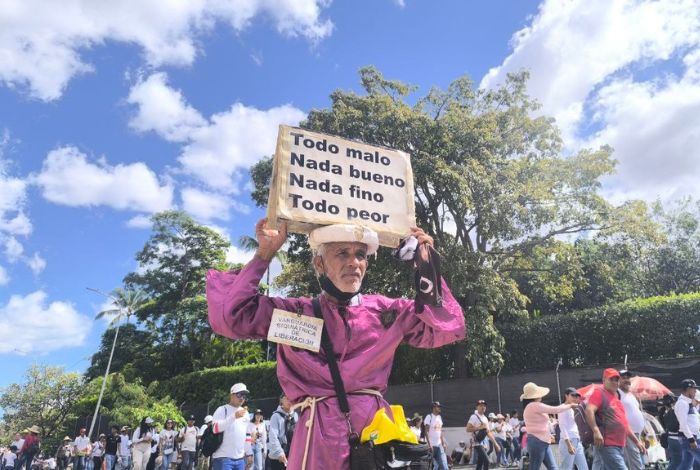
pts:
[320, 179]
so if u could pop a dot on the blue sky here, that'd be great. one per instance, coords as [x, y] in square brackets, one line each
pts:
[111, 112]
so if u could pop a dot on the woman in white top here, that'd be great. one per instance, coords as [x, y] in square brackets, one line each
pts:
[141, 441]
[167, 444]
[258, 439]
[98, 450]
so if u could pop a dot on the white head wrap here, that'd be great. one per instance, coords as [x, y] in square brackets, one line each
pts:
[344, 233]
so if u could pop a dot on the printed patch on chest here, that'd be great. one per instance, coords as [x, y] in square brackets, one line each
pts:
[388, 318]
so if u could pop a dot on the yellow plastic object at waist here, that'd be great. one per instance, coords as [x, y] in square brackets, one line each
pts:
[382, 429]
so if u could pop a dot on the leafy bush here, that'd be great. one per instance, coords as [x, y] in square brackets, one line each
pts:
[651, 328]
[214, 384]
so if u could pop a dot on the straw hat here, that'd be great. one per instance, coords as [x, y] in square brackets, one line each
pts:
[35, 429]
[531, 391]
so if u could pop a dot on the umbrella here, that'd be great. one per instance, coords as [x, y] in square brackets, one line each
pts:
[587, 390]
[646, 388]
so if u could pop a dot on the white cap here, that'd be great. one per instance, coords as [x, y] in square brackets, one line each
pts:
[149, 420]
[238, 388]
[208, 419]
[344, 233]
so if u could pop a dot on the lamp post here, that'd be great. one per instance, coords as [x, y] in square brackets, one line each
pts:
[559, 363]
[498, 388]
[109, 363]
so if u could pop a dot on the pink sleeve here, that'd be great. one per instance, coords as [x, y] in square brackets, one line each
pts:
[434, 326]
[235, 307]
[550, 410]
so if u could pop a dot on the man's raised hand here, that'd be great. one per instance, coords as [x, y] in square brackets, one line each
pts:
[269, 241]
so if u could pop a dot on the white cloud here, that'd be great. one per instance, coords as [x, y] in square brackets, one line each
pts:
[571, 47]
[214, 149]
[4, 277]
[42, 42]
[235, 139]
[238, 255]
[602, 65]
[205, 205]
[13, 249]
[32, 325]
[139, 221]
[68, 178]
[36, 263]
[163, 109]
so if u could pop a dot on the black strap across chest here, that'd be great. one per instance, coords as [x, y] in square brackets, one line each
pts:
[327, 346]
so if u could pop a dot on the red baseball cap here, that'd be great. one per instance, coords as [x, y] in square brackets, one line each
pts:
[610, 373]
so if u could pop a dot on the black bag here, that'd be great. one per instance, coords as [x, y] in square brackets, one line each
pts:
[480, 434]
[212, 441]
[366, 456]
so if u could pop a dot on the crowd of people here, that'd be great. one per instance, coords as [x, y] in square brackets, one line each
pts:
[235, 437]
[605, 431]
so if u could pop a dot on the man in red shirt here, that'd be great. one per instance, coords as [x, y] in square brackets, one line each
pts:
[605, 414]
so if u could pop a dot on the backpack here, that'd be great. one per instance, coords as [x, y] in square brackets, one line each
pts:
[670, 423]
[212, 441]
[289, 425]
[584, 430]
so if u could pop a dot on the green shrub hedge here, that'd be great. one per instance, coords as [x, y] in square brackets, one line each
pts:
[214, 384]
[644, 329]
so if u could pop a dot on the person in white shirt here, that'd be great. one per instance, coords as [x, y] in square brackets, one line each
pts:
[479, 432]
[98, 450]
[166, 443]
[499, 432]
[141, 444]
[9, 457]
[571, 450]
[417, 426]
[258, 439]
[202, 460]
[688, 424]
[635, 419]
[232, 419]
[81, 450]
[433, 426]
[188, 448]
[124, 449]
[515, 424]
[18, 442]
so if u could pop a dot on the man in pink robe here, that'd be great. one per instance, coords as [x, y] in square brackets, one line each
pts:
[363, 340]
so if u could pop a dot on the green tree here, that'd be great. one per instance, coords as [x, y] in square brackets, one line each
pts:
[135, 353]
[46, 398]
[126, 402]
[126, 304]
[172, 271]
[491, 186]
[674, 267]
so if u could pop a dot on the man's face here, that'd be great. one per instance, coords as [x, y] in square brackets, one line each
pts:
[690, 392]
[237, 399]
[344, 263]
[481, 409]
[436, 410]
[625, 383]
[611, 384]
[285, 404]
[572, 398]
